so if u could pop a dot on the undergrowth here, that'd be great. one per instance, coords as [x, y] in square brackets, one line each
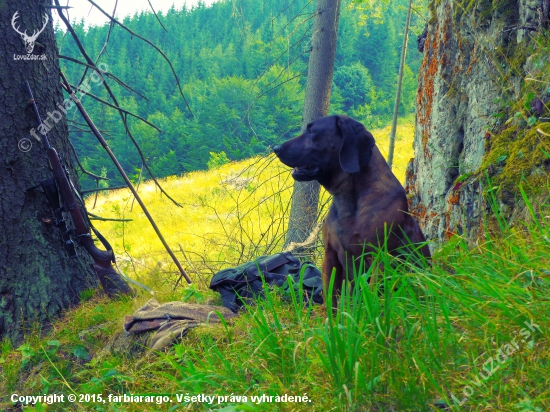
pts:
[468, 331]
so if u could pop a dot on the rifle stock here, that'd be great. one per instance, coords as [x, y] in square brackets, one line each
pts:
[103, 143]
[111, 281]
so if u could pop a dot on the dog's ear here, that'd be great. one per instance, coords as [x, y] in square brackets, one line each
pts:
[357, 143]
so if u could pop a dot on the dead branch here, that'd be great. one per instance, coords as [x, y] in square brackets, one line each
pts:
[299, 247]
[115, 101]
[156, 16]
[152, 45]
[82, 169]
[101, 189]
[106, 74]
[107, 219]
[106, 103]
[103, 143]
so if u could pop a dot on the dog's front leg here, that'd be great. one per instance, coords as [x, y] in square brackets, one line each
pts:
[330, 263]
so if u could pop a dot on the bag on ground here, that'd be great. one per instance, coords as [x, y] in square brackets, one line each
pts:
[243, 283]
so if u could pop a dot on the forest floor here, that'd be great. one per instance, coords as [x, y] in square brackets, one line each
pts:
[468, 332]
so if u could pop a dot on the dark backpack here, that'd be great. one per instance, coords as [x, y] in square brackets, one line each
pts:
[243, 283]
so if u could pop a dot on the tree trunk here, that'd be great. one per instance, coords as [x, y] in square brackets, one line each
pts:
[305, 199]
[37, 279]
[399, 84]
[466, 83]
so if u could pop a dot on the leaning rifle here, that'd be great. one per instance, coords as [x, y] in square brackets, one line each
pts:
[111, 281]
[103, 143]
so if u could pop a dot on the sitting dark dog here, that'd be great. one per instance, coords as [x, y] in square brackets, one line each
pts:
[341, 154]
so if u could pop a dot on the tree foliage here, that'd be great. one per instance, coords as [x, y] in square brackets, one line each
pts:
[243, 66]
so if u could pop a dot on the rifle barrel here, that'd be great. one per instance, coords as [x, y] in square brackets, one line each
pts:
[111, 281]
[103, 143]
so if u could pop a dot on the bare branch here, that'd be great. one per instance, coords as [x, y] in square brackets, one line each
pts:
[113, 97]
[101, 189]
[107, 219]
[306, 244]
[106, 74]
[103, 143]
[82, 169]
[157, 17]
[106, 103]
[137, 186]
[111, 26]
[152, 45]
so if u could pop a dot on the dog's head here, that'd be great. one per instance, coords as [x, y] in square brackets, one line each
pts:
[328, 145]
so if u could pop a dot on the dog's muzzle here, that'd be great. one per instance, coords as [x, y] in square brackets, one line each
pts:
[301, 172]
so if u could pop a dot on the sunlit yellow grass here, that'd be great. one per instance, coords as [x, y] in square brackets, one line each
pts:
[228, 215]
[403, 151]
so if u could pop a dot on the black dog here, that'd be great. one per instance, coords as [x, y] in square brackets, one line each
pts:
[341, 155]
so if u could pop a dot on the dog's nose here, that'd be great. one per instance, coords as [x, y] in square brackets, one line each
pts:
[276, 149]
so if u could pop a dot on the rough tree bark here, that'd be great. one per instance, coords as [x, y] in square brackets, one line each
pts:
[37, 279]
[305, 199]
[474, 60]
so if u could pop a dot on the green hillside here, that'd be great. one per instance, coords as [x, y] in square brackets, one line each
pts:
[242, 68]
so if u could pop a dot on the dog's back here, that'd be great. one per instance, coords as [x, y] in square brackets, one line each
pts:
[369, 206]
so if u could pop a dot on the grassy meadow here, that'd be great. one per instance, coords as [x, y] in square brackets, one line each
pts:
[469, 332]
[227, 216]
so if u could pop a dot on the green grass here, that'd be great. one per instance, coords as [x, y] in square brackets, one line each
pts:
[413, 337]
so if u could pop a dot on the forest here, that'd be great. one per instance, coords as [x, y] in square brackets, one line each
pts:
[453, 317]
[242, 70]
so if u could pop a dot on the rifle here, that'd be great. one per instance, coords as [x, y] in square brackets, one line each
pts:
[103, 143]
[111, 281]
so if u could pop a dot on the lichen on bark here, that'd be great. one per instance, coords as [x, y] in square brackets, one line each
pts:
[477, 56]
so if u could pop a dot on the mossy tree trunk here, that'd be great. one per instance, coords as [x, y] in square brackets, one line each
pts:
[37, 279]
[472, 79]
[305, 198]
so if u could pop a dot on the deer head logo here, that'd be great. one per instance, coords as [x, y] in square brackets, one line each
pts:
[29, 40]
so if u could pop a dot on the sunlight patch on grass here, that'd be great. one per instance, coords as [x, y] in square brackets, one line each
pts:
[229, 215]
